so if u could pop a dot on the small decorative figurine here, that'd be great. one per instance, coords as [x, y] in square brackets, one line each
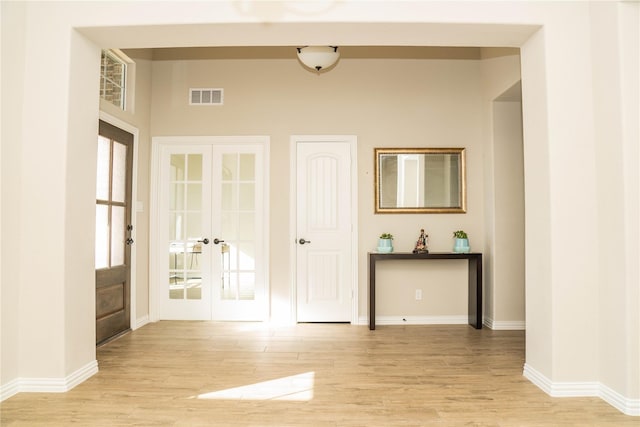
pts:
[422, 245]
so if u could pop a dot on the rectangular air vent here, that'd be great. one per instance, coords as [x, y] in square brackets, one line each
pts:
[205, 96]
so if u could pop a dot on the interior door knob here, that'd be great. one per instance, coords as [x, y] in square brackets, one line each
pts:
[129, 241]
[302, 241]
[205, 241]
[216, 241]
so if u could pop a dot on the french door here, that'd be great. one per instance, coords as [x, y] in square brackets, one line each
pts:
[211, 219]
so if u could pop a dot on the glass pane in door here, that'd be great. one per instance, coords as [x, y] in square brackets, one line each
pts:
[247, 167]
[119, 183]
[103, 165]
[185, 227]
[117, 235]
[238, 222]
[195, 167]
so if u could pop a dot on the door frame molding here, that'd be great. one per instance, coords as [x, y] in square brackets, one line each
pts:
[112, 120]
[352, 140]
[157, 142]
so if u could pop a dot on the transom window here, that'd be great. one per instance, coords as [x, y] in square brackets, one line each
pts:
[113, 72]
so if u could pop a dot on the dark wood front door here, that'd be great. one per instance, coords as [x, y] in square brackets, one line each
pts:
[113, 232]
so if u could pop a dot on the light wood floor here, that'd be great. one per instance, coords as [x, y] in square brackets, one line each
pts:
[237, 374]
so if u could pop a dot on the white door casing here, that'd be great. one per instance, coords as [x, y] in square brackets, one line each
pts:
[324, 237]
[233, 210]
[135, 322]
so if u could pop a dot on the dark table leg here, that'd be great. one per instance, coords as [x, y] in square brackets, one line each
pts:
[372, 293]
[475, 292]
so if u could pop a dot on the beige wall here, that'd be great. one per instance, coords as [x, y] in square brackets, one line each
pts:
[508, 303]
[13, 37]
[504, 189]
[385, 103]
[617, 164]
[560, 92]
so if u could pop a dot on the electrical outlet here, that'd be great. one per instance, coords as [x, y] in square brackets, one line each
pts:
[418, 294]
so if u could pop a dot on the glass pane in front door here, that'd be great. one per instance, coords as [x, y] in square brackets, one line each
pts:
[185, 227]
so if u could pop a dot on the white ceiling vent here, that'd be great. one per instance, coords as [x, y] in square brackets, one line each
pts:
[205, 96]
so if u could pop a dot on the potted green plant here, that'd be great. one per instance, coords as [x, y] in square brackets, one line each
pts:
[461, 242]
[385, 243]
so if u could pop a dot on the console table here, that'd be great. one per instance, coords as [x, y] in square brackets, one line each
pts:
[475, 280]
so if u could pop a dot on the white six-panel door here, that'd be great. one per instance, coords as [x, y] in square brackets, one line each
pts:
[324, 252]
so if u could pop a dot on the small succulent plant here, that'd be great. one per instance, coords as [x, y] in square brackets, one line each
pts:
[459, 234]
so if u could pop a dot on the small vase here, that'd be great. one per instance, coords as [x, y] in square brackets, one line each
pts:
[385, 245]
[461, 246]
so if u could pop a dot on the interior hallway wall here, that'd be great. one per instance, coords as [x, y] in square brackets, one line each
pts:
[504, 197]
[558, 100]
[385, 103]
[508, 254]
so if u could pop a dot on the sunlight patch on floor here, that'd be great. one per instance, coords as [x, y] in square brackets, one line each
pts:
[296, 388]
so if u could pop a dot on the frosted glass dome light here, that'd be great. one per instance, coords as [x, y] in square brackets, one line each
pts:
[318, 57]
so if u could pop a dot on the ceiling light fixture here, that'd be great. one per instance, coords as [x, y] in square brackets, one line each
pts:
[318, 57]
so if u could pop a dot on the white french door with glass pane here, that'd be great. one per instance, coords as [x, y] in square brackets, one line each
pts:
[210, 248]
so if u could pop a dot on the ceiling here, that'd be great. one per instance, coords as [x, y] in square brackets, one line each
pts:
[346, 52]
[289, 52]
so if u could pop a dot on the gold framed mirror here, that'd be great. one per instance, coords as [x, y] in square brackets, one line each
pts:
[420, 180]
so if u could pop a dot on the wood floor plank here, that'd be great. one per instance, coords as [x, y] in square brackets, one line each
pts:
[321, 375]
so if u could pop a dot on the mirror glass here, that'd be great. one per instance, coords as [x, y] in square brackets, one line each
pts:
[420, 180]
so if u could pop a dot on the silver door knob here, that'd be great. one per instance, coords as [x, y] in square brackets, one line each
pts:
[302, 241]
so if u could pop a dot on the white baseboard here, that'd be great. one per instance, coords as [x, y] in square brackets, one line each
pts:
[9, 389]
[618, 401]
[416, 320]
[504, 325]
[583, 389]
[49, 385]
[140, 322]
